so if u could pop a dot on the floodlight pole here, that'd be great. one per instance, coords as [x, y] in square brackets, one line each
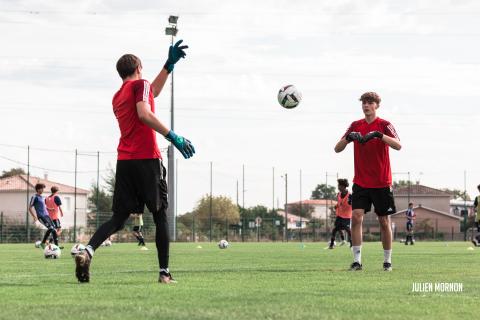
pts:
[286, 207]
[27, 218]
[171, 216]
[301, 226]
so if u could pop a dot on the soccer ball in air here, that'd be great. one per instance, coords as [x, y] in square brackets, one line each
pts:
[76, 249]
[52, 251]
[223, 244]
[38, 244]
[289, 97]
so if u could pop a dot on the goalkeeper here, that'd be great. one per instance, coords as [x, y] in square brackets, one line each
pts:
[140, 174]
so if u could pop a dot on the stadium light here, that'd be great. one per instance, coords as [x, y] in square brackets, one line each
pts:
[172, 29]
[173, 19]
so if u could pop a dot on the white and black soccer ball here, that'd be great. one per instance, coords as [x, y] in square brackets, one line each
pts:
[107, 243]
[289, 97]
[52, 251]
[223, 244]
[38, 244]
[76, 249]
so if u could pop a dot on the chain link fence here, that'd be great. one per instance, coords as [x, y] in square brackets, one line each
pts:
[14, 230]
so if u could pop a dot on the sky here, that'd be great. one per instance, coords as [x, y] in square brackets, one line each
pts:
[58, 77]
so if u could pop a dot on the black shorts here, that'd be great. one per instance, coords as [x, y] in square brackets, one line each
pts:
[46, 221]
[381, 198]
[342, 223]
[137, 228]
[138, 183]
[409, 225]
[56, 223]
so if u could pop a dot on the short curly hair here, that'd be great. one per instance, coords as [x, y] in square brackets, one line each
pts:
[343, 182]
[370, 97]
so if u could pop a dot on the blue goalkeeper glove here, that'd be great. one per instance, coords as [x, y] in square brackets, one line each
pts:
[372, 135]
[183, 145]
[175, 52]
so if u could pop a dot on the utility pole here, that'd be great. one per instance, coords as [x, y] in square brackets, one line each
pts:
[273, 189]
[301, 223]
[210, 214]
[286, 206]
[98, 190]
[27, 217]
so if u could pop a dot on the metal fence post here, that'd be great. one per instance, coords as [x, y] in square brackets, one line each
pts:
[1, 227]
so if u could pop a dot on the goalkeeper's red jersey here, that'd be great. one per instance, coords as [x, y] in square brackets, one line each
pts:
[372, 159]
[137, 140]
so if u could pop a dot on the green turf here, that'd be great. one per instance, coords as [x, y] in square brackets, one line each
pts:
[245, 281]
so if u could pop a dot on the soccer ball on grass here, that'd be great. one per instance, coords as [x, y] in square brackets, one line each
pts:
[52, 251]
[223, 244]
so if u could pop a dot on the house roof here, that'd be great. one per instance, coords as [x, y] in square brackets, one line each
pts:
[431, 210]
[19, 183]
[420, 190]
[320, 202]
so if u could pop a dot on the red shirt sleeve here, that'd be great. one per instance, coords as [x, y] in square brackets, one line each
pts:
[141, 91]
[390, 131]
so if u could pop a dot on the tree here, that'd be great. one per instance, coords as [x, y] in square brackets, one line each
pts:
[458, 193]
[223, 209]
[402, 184]
[12, 172]
[426, 226]
[323, 191]
[105, 198]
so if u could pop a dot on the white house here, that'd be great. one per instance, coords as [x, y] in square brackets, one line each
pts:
[294, 222]
[457, 205]
[14, 201]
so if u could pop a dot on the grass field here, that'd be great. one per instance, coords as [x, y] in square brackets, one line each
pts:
[245, 281]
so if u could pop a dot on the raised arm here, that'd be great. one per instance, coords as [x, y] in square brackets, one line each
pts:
[175, 52]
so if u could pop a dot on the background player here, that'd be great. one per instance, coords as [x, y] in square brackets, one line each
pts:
[343, 212]
[137, 228]
[372, 137]
[476, 204]
[54, 204]
[140, 174]
[411, 216]
[38, 203]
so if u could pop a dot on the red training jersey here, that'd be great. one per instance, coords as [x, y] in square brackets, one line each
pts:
[344, 206]
[372, 160]
[137, 140]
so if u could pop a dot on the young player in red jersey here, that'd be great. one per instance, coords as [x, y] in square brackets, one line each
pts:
[372, 138]
[140, 174]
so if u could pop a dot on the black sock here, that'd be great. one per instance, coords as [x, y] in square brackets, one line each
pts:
[113, 225]
[162, 239]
